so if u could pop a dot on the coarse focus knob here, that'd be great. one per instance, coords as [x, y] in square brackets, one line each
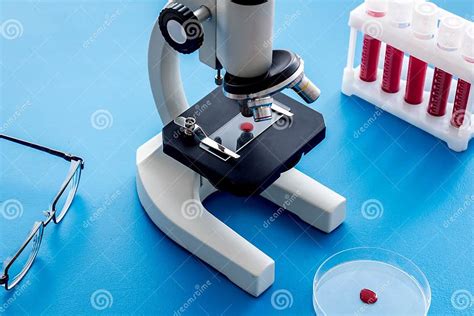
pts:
[181, 27]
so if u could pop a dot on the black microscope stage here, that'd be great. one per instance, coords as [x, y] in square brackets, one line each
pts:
[276, 150]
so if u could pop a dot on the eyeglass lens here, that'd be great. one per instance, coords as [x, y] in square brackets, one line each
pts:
[65, 200]
[23, 262]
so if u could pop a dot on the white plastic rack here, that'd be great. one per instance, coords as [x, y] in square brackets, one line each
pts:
[452, 62]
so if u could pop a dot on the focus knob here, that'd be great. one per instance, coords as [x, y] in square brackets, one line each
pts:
[181, 27]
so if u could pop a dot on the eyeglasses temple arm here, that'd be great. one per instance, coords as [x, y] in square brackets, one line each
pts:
[56, 153]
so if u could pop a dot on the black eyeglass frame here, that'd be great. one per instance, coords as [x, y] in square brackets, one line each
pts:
[74, 174]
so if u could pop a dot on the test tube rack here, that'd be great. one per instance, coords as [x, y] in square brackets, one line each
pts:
[452, 62]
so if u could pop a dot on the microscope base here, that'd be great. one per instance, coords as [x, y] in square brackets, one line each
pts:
[172, 196]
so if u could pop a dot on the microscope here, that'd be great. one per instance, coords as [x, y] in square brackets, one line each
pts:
[245, 137]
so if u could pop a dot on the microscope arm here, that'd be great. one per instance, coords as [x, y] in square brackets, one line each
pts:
[165, 78]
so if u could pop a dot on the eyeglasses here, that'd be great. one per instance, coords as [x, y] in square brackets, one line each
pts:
[18, 266]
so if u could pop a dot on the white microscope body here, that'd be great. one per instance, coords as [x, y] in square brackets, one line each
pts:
[238, 38]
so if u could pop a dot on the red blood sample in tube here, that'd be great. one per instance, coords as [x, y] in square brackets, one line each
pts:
[439, 92]
[460, 103]
[392, 70]
[415, 81]
[370, 59]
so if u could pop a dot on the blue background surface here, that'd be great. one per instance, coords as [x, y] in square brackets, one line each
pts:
[75, 58]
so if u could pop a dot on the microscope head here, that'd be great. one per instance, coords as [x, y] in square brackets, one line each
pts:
[254, 72]
[239, 39]
[255, 95]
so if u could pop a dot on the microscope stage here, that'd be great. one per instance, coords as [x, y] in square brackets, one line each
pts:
[268, 152]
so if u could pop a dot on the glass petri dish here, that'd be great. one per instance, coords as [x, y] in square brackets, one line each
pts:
[401, 287]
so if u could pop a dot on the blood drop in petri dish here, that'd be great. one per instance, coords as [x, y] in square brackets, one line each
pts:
[368, 296]
[353, 281]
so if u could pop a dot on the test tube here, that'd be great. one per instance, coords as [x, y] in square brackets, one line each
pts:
[400, 13]
[463, 89]
[449, 39]
[371, 46]
[424, 25]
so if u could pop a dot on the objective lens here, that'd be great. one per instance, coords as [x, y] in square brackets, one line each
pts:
[262, 113]
[261, 108]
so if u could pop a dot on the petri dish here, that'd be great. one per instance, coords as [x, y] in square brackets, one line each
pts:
[400, 286]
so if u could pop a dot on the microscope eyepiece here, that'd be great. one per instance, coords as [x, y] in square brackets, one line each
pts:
[306, 89]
